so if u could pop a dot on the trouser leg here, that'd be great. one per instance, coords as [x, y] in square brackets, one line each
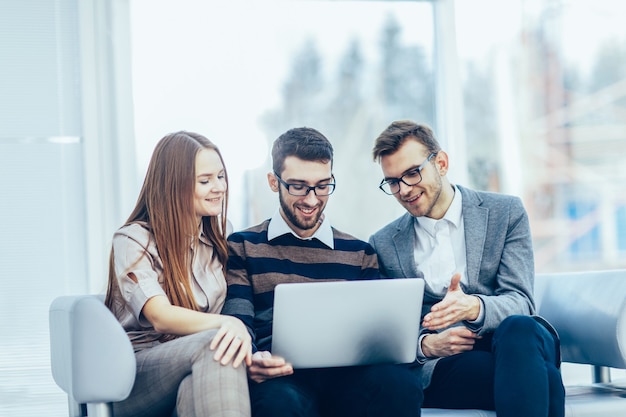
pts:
[527, 381]
[372, 391]
[362, 391]
[462, 381]
[287, 396]
[184, 399]
[516, 374]
[216, 390]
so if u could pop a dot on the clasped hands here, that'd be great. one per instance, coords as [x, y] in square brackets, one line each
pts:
[455, 307]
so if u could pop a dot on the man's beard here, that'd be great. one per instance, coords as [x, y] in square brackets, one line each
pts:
[291, 215]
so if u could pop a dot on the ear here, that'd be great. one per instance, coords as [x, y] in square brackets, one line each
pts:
[272, 181]
[441, 162]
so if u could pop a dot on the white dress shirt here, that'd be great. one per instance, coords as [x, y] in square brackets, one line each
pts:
[439, 250]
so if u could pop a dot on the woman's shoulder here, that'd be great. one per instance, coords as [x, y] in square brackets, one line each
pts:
[137, 231]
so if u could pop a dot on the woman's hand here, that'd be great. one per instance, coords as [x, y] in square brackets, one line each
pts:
[232, 343]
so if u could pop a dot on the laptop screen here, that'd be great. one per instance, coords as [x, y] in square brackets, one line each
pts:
[347, 323]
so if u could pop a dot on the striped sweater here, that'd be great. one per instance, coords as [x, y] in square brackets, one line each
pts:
[256, 266]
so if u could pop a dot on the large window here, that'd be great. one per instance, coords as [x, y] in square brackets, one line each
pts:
[544, 90]
[548, 94]
[58, 168]
[345, 68]
[42, 249]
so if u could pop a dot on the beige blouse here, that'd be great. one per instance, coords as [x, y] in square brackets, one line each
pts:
[135, 252]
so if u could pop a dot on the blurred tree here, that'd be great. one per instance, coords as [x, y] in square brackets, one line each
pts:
[406, 77]
[609, 66]
[347, 94]
[351, 108]
[608, 72]
[304, 84]
[481, 131]
[301, 94]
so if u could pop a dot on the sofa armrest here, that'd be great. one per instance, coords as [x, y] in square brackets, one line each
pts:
[92, 358]
[588, 310]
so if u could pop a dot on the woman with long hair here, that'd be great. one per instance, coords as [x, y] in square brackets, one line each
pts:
[166, 287]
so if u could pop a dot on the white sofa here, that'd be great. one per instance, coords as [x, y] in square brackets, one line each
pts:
[92, 358]
[93, 362]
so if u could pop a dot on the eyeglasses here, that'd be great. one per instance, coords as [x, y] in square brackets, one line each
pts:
[300, 190]
[391, 186]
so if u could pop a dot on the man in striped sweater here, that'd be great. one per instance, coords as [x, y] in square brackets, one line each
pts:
[298, 244]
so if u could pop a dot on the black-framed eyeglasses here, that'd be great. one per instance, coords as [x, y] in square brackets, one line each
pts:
[391, 186]
[301, 190]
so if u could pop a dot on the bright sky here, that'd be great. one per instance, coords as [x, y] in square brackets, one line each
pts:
[578, 25]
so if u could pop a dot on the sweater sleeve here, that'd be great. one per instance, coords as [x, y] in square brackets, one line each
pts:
[370, 263]
[239, 297]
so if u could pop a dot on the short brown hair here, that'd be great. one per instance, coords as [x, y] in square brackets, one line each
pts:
[390, 140]
[305, 143]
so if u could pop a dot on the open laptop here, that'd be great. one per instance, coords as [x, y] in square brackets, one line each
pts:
[347, 323]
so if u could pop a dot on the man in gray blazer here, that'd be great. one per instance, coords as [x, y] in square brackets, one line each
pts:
[480, 346]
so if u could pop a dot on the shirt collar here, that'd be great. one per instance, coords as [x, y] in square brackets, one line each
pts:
[202, 237]
[453, 215]
[278, 227]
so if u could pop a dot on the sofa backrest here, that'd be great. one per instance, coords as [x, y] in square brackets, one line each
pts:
[92, 358]
[588, 310]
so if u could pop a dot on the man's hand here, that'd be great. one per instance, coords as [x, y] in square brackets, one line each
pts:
[449, 342]
[456, 306]
[265, 366]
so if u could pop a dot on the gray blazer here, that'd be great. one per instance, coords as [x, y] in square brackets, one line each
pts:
[500, 264]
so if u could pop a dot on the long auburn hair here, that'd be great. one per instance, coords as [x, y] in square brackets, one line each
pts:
[165, 206]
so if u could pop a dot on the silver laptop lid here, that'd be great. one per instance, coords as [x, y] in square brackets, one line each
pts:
[347, 323]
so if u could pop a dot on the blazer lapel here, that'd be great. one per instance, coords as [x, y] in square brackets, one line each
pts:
[404, 242]
[475, 220]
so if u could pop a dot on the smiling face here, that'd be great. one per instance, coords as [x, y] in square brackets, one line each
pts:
[433, 195]
[210, 184]
[302, 213]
